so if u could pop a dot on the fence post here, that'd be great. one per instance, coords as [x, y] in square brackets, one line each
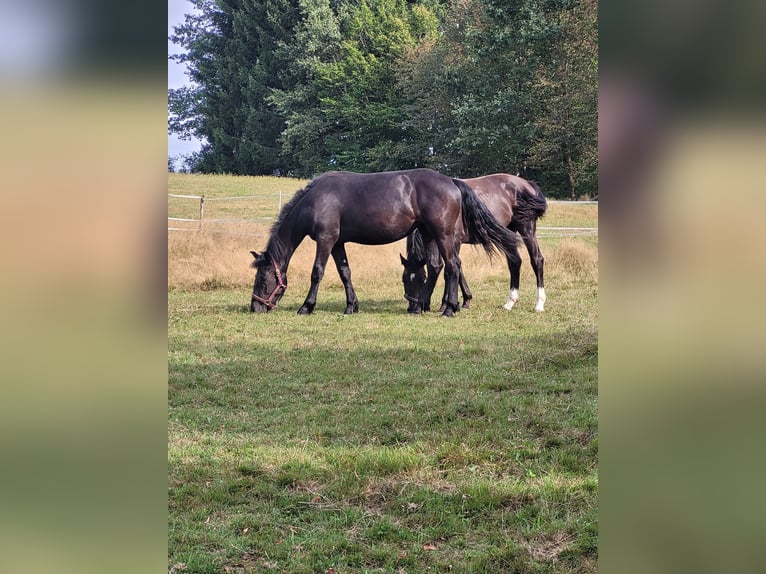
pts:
[279, 207]
[201, 210]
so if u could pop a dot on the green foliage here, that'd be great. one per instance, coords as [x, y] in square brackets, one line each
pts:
[349, 115]
[566, 126]
[510, 86]
[467, 87]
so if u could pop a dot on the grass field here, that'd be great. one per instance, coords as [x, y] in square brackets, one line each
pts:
[378, 442]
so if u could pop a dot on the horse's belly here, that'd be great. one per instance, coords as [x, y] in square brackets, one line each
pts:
[372, 236]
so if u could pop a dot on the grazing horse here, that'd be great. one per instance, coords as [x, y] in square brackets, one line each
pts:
[517, 204]
[373, 209]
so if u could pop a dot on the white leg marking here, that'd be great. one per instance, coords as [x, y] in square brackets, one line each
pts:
[540, 305]
[513, 296]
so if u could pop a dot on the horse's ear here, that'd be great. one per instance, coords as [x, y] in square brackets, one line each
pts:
[254, 254]
[404, 261]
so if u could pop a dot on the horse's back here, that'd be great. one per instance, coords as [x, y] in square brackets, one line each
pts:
[417, 189]
[376, 208]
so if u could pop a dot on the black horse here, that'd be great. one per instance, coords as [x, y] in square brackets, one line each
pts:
[373, 209]
[515, 203]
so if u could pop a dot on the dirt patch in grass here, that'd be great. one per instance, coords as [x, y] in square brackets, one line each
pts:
[247, 563]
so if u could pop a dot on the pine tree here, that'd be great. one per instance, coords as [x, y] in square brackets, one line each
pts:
[234, 61]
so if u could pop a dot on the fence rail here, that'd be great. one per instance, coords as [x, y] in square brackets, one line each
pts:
[583, 201]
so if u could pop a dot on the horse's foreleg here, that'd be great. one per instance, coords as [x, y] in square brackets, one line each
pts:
[467, 295]
[514, 267]
[451, 278]
[434, 267]
[538, 261]
[341, 262]
[317, 272]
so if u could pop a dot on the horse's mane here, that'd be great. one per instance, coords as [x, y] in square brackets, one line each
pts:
[275, 247]
[416, 250]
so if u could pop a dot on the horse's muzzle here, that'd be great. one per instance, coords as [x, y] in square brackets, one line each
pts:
[415, 306]
[259, 307]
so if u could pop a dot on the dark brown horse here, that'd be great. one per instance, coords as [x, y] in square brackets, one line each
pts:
[517, 204]
[373, 209]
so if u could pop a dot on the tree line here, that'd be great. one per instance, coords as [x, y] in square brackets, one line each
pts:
[466, 87]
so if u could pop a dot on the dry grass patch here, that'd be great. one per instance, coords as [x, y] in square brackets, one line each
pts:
[211, 259]
[548, 548]
[573, 259]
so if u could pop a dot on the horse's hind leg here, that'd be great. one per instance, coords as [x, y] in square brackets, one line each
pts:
[341, 262]
[317, 272]
[514, 267]
[538, 261]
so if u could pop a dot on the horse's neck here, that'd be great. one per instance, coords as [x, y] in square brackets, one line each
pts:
[289, 239]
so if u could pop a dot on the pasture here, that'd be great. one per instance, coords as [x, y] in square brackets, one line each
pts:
[377, 442]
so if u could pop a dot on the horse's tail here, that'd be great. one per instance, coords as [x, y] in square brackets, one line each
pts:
[530, 204]
[482, 227]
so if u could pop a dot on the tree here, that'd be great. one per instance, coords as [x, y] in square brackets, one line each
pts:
[234, 60]
[468, 87]
[342, 107]
[316, 42]
[508, 86]
[566, 134]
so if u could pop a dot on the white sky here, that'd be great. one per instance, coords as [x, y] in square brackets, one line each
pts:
[176, 73]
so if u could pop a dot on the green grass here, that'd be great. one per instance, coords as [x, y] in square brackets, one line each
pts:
[213, 187]
[382, 442]
[355, 442]
[563, 214]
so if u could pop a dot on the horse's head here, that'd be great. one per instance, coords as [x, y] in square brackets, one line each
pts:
[270, 284]
[414, 279]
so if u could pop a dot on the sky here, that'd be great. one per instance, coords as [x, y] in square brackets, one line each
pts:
[177, 73]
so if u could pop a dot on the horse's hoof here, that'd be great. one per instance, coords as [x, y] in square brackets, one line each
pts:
[466, 305]
[304, 311]
[450, 310]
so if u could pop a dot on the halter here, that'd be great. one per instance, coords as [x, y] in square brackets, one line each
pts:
[280, 283]
[412, 299]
